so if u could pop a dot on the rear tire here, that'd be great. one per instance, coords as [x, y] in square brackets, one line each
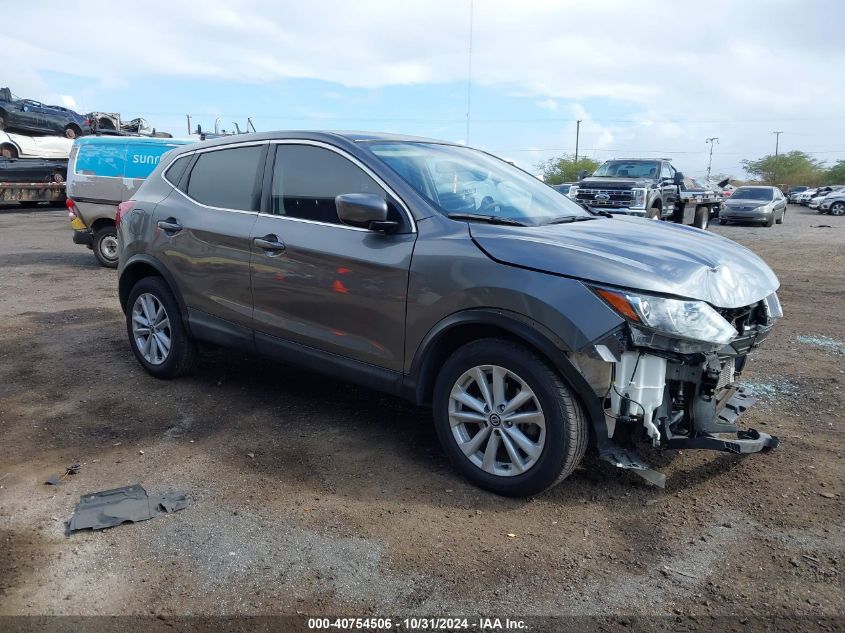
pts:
[105, 246]
[173, 353]
[551, 434]
[837, 208]
[702, 217]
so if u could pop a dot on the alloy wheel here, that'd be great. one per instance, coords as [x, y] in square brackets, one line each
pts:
[838, 208]
[151, 328]
[497, 420]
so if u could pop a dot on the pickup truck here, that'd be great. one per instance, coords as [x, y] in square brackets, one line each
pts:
[644, 187]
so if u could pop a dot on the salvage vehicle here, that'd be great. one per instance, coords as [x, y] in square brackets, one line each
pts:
[757, 204]
[794, 192]
[639, 187]
[32, 180]
[821, 194]
[26, 115]
[103, 172]
[22, 146]
[441, 273]
[834, 203]
[701, 194]
[804, 198]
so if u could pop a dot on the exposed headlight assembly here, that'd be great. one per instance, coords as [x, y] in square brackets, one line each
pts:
[675, 318]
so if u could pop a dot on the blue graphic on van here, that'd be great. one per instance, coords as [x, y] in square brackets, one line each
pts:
[121, 157]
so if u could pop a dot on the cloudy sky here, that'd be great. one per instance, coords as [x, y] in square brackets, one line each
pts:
[646, 77]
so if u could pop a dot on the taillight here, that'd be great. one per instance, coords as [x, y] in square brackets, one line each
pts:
[122, 209]
[71, 209]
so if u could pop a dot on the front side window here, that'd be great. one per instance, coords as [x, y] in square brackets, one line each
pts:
[667, 172]
[460, 180]
[306, 180]
[227, 178]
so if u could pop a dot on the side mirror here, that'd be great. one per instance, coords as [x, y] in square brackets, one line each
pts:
[582, 174]
[679, 178]
[366, 210]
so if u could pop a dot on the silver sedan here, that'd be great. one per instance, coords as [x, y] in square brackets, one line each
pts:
[763, 205]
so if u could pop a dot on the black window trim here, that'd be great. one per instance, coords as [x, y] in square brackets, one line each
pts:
[271, 157]
[195, 153]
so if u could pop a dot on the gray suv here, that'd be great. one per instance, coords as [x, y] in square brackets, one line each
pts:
[533, 327]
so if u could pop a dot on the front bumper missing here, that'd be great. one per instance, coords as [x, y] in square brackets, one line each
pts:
[727, 439]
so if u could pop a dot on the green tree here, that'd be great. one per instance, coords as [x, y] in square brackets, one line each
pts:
[792, 168]
[836, 174]
[565, 168]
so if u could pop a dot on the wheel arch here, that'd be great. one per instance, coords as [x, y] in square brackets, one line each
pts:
[15, 150]
[100, 223]
[143, 266]
[464, 327]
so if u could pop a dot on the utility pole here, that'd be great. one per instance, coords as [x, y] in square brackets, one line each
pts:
[577, 138]
[711, 140]
[777, 141]
[469, 70]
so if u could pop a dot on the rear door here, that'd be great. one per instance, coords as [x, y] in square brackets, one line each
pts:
[201, 233]
[328, 287]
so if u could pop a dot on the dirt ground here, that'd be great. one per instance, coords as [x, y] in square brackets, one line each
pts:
[316, 497]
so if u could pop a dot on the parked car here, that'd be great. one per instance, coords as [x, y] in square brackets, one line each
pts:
[103, 172]
[443, 274]
[820, 194]
[38, 170]
[563, 187]
[766, 205]
[804, 198]
[834, 202]
[21, 146]
[26, 115]
[794, 192]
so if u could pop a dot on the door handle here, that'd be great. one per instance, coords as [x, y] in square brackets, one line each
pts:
[269, 244]
[170, 225]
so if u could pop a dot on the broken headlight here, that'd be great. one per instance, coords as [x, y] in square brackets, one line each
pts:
[677, 318]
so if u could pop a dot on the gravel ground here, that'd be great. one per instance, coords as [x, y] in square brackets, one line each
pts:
[313, 496]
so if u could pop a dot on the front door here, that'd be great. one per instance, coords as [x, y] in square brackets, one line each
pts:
[317, 283]
[202, 235]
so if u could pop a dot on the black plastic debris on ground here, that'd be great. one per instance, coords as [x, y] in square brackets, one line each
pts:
[130, 504]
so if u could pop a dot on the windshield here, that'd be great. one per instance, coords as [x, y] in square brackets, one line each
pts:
[628, 169]
[460, 180]
[744, 193]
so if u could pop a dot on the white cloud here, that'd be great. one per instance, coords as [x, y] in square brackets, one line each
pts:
[677, 75]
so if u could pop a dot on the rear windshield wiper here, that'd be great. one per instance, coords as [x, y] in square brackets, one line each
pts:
[492, 219]
[566, 219]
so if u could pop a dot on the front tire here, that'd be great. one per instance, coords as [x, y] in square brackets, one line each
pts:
[105, 246]
[770, 221]
[71, 132]
[506, 419]
[157, 335]
[837, 208]
[653, 213]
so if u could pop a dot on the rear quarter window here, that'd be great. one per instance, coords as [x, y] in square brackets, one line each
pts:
[176, 170]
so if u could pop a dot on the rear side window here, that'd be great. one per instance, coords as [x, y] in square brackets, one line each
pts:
[306, 180]
[227, 178]
[175, 171]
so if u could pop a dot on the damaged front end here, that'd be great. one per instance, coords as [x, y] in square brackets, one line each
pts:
[669, 376]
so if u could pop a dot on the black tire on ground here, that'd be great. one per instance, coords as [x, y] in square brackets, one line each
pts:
[837, 208]
[105, 246]
[702, 217]
[781, 218]
[565, 422]
[653, 213]
[183, 349]
[770, 221]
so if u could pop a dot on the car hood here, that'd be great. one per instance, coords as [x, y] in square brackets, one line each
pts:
[613, 183]
[638, 254]
[746, 202]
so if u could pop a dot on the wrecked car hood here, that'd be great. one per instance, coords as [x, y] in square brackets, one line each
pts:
[637, 254]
